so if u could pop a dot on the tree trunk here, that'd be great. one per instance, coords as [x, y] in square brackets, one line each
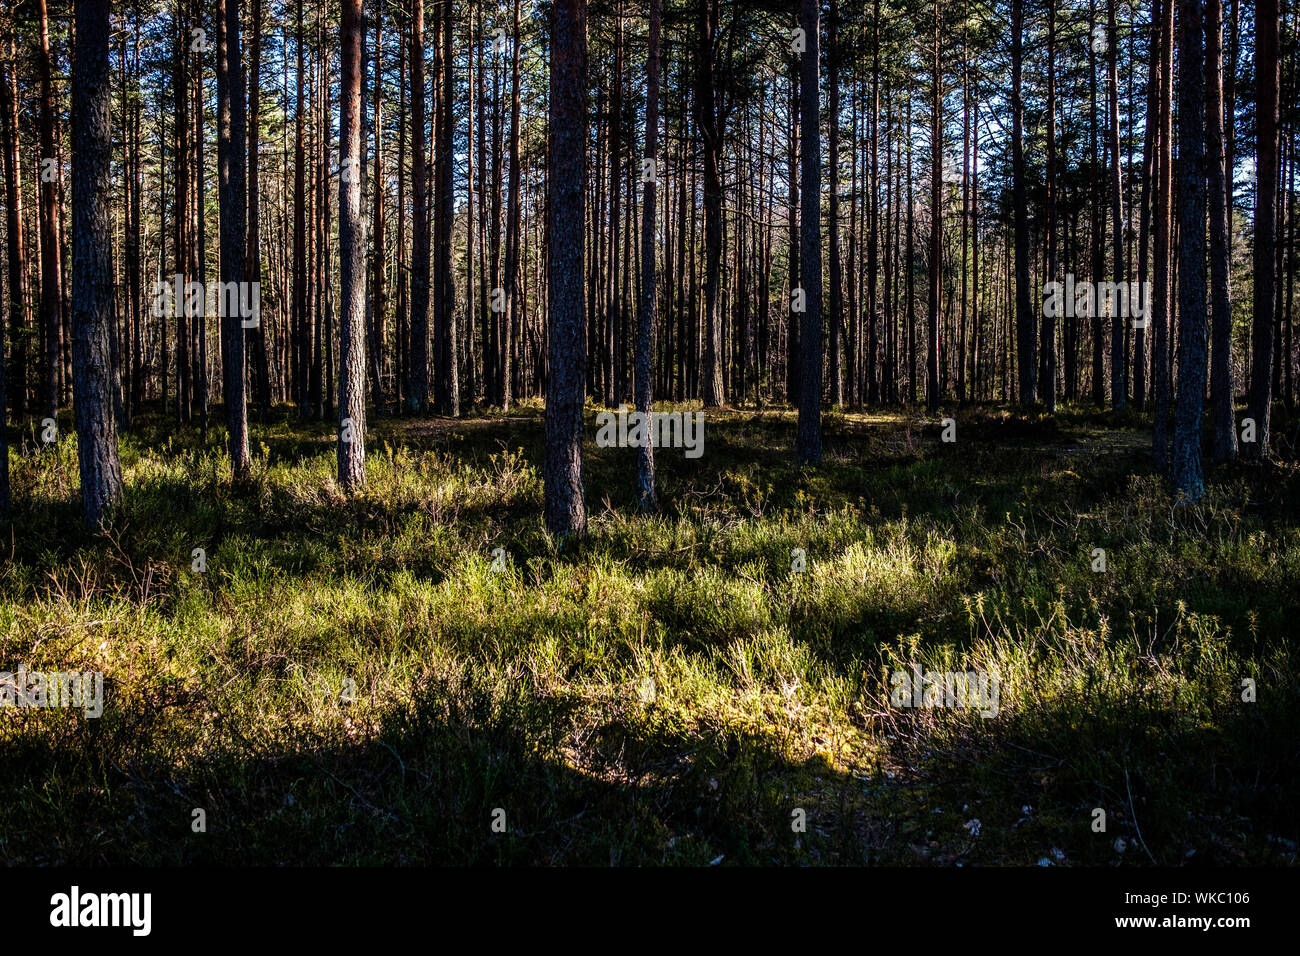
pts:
[51, 266]
[1162, 293]
[1222, 389]
[14, 237]
[1266, 170]
[565, 509]
[1188, 478]
[352, 258]
[809, 449]
[710, 122]
[833, 131]
[92, 263]
[377, 330]
[257, 333]
[1047, 387]
[302, 317]
[645, 461]
[509, 318]
[417, 398]
[1026, 344]
[1118, 358]
[936, 217]
[234, 246]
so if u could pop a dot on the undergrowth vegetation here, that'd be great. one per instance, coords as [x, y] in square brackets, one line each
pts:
[367, 679]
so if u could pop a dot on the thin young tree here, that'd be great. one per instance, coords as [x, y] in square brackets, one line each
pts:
[809, 442]
[645, 460]
[710, 121]
[92, 264]
[1118, 358]
[566, 513]
[1267, 82]
[834, 303]
[51, 272]
[301, 315]
[352, 259]
[1222, 390]
[936, 219]
[1162, 294]
[417, 397]
[508, 317]
[14, 242]
[1047, 387]
[253, 268]
[1026, 338]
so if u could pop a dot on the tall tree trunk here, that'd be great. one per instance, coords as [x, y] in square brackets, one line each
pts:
[809, 449]
[14, 236]
[1026, 338]
[472, 187]
[1047, 387]
[92, 263]
[352, 258]
[509, 318]
[872, 369]
[1162, 293]
[181, 233]
[378, 334]
[302, 316]
[1222, 389]
[198, 251]
[257, 333]
[566, 514]
[448, 365]
[1188, 477]
[231, 158]
[1118, 357]
[833, 134]
[1150, 172]
[936, 219]
[1097, 232]
[417, 398]
[711, 122]
[51, 266]
[793, 360]
[1267, 82]
[645, 461]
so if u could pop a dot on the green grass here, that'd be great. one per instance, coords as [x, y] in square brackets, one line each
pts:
[669, 691]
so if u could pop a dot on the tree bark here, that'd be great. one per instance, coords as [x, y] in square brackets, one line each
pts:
[645, 461]
[1266, 171]
[809, 450]
[1222, 390]
[417, 398]
[936, 214]
[1188, 477]
[352, 258]
[1026, 338]
[231, 159]
[51, 266]
[92, 264]
[565, 509]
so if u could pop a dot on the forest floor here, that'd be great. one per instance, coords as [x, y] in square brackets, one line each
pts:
[367, 679]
